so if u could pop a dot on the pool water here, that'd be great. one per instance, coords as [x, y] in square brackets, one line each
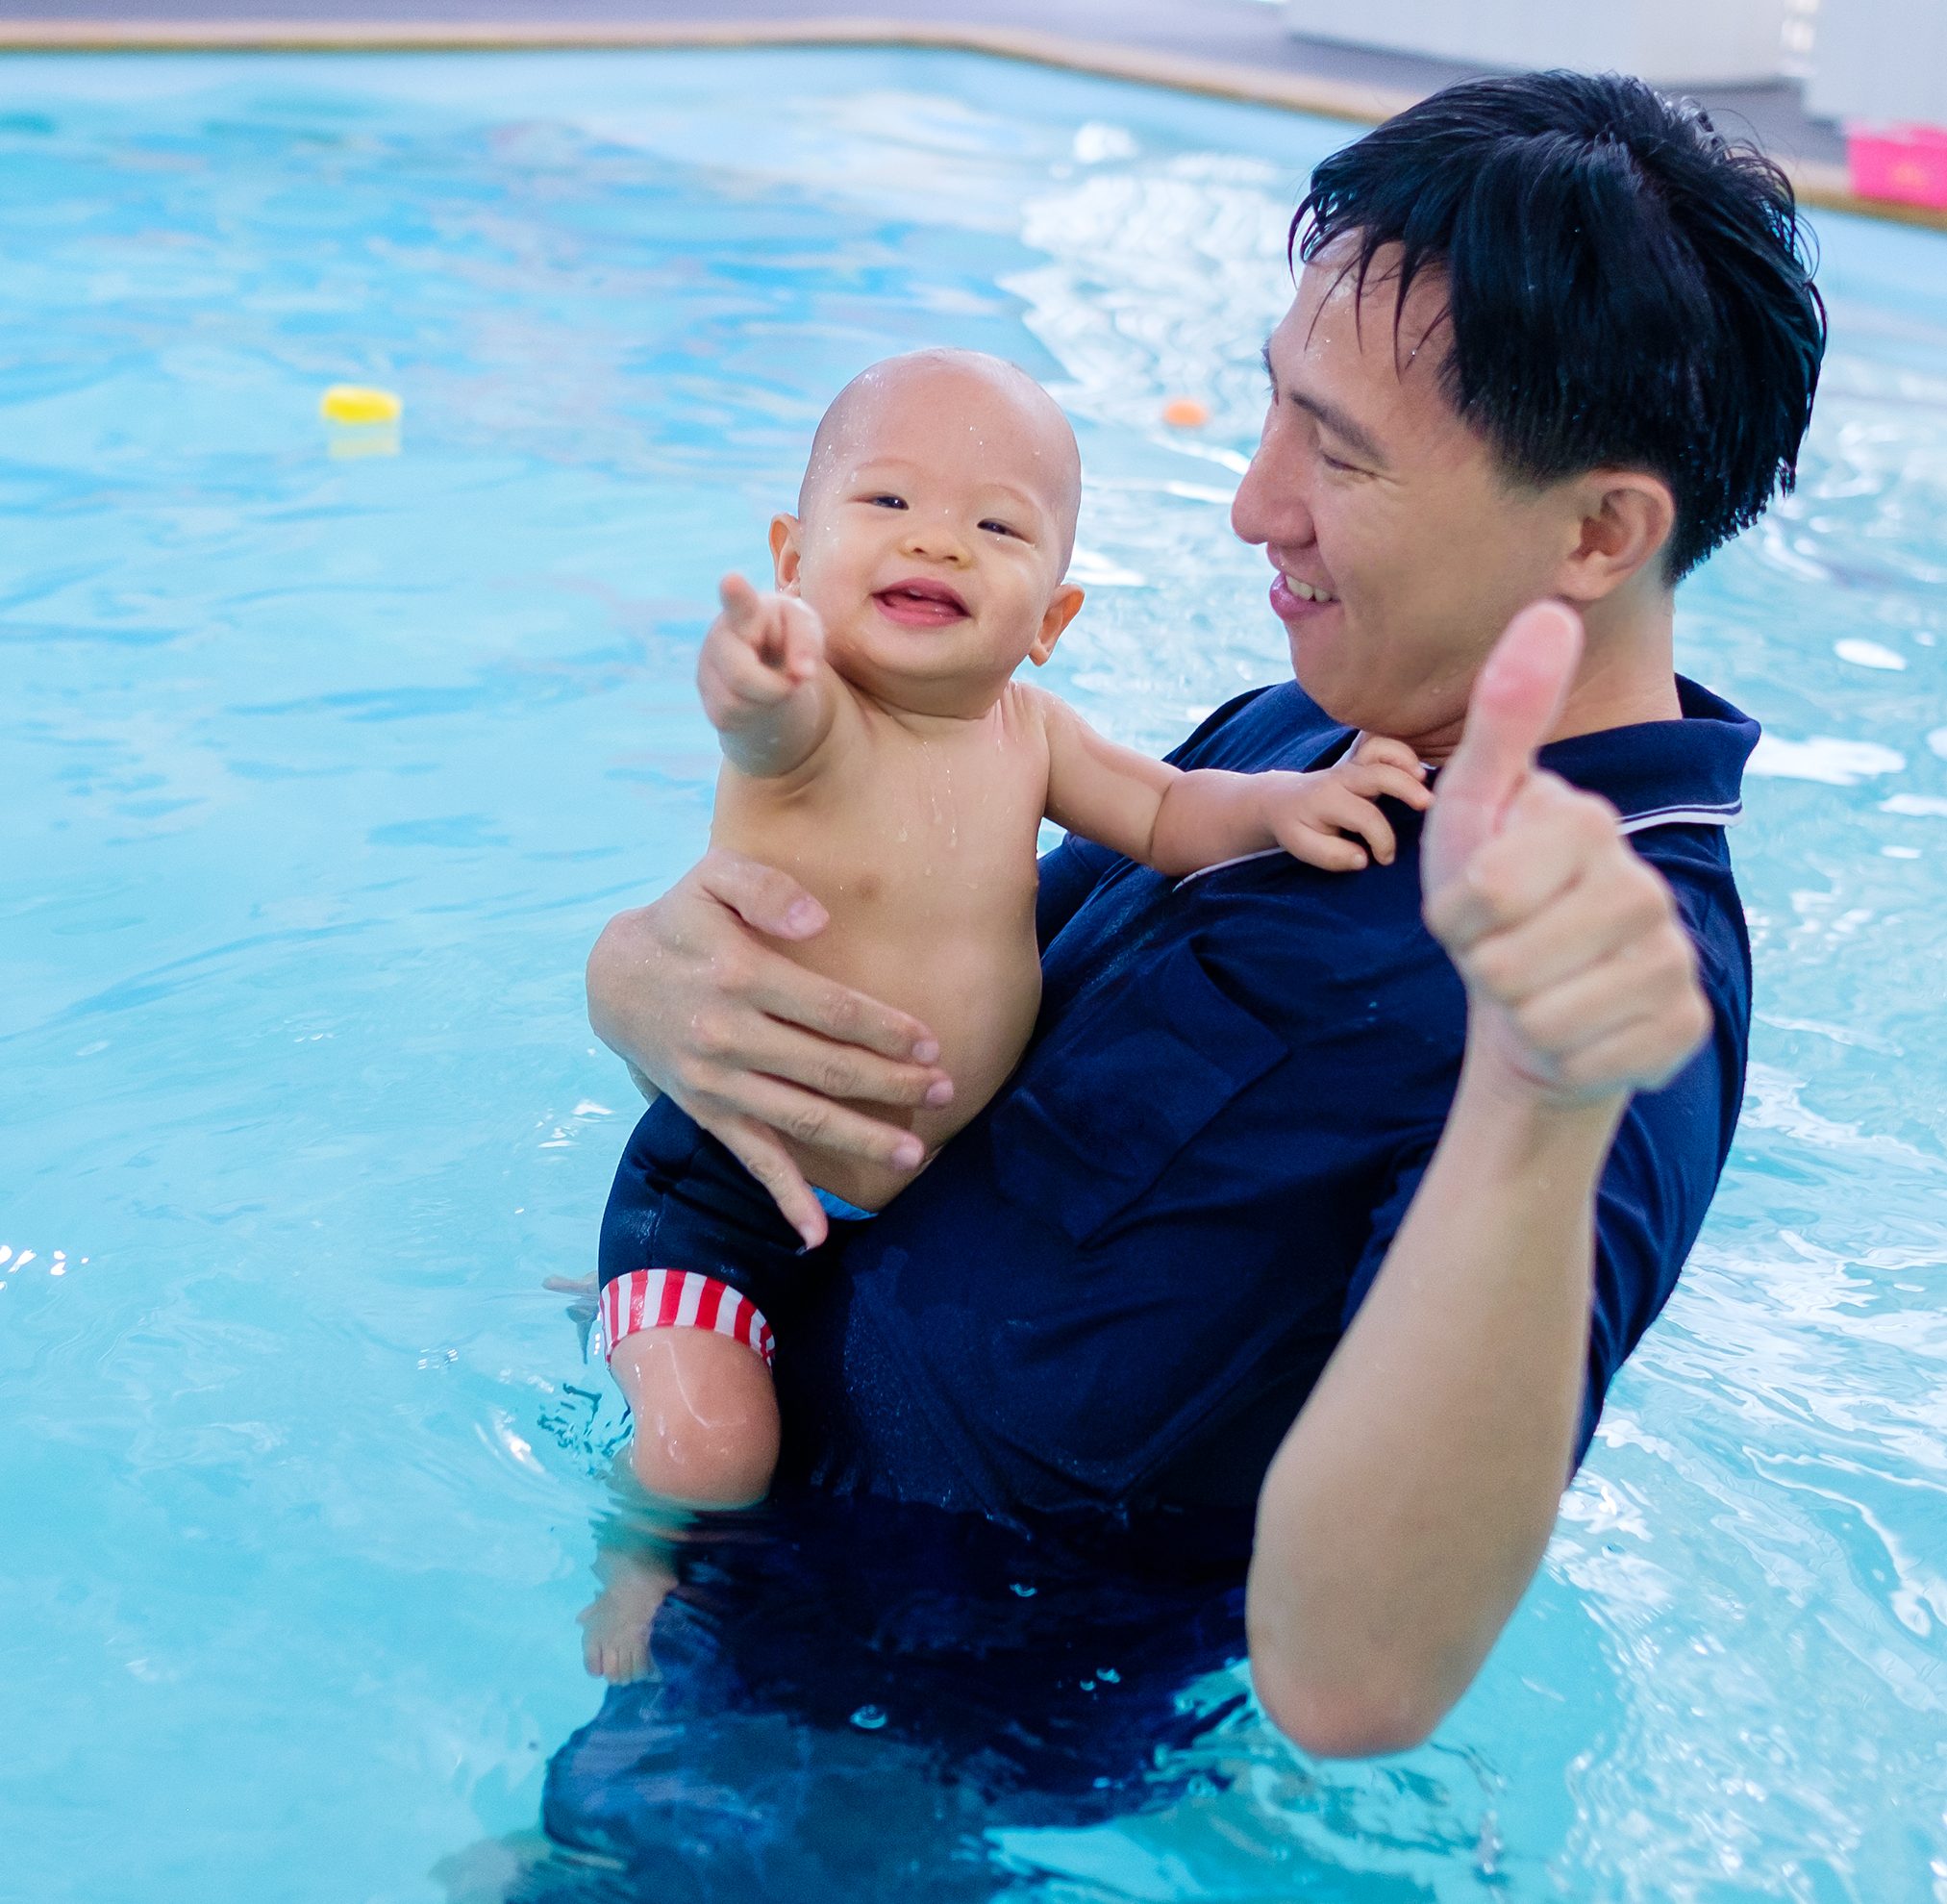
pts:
[327, 755]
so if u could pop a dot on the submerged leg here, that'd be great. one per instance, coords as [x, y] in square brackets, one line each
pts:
[616, 1623]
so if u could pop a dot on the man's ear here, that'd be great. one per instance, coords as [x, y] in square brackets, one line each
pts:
[1061, 610]
[786, 531]
[1626, 519]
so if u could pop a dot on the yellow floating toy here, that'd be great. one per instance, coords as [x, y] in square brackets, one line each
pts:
[359, 403]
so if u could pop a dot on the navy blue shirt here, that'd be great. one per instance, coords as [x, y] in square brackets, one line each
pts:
[1115, 1287]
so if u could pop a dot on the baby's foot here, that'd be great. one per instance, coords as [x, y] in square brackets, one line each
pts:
[616, 1623]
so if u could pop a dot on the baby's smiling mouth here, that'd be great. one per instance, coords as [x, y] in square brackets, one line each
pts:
[918, 603]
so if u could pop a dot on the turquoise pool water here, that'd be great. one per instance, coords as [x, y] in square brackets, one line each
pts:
[323, 768]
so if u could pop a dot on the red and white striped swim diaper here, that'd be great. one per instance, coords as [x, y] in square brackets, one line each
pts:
[679, 1299]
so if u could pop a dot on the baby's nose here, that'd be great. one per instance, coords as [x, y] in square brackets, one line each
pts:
[937, 541]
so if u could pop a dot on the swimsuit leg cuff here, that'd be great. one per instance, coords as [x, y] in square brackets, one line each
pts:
[679, 1299]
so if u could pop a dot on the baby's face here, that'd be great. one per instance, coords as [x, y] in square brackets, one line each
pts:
[937, 518]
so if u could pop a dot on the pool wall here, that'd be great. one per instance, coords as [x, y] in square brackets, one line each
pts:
[1818, 181]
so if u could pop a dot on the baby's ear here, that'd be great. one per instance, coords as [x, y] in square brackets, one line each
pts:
[1061, 610]
[784, 556]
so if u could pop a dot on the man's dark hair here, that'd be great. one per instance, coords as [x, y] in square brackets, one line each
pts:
[1625, 286]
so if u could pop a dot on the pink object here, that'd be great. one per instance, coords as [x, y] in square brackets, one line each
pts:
[1906, 164]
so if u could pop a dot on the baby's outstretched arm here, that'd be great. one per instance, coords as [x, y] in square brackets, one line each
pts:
[764, 680]
[1329, 818]
[1179, 822]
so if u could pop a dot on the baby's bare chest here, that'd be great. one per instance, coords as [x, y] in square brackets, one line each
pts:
[928, 832]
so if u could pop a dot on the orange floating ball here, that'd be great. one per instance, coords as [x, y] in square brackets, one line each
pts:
[1185, 413]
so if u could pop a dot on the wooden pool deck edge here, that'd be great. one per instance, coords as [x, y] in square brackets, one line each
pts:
[1819, 185]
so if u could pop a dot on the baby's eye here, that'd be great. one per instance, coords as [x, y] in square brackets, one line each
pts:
[887, 502]
[994, 527]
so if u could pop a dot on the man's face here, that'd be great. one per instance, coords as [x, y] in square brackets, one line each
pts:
[1402, 549]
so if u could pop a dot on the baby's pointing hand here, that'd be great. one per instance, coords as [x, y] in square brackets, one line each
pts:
[758, 653]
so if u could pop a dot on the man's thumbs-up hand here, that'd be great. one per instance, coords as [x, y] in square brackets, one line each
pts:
[1582, 983]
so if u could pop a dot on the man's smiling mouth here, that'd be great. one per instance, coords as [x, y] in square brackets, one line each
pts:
[1294, 600]
[918, 603]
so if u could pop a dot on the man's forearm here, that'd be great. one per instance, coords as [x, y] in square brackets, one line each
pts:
[1412, 1500]
[1411, 1503]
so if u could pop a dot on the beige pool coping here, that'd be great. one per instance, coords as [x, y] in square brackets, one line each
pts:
[1816, 184]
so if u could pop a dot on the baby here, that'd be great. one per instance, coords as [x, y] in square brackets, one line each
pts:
[878, 747]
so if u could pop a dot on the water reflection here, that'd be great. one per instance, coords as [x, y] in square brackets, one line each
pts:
[850, 1698]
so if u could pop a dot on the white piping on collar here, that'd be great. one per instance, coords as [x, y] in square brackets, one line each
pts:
[1242, 860]
[1728, 814]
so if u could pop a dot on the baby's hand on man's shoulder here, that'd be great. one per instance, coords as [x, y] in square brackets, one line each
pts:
[759, 652]
[1331, 819]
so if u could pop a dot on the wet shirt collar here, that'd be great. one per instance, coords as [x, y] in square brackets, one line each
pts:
[1686, 773]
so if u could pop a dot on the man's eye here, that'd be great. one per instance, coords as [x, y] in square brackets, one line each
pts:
[887, 502]
[1332, 462]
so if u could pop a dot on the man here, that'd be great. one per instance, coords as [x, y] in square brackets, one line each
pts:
[1341, 1204]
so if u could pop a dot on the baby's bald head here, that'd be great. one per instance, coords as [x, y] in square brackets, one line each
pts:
[951, 404]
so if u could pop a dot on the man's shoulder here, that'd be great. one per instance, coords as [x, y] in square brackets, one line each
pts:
[1677, 785]
[1277, 726]
[1666, 774]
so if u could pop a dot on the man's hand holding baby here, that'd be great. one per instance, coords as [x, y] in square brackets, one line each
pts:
[761, 676]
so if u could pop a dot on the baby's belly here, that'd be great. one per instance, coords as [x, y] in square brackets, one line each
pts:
[978, 992]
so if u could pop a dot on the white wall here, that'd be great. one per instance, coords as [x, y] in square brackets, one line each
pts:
[1879, 60]
[1666, 41]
